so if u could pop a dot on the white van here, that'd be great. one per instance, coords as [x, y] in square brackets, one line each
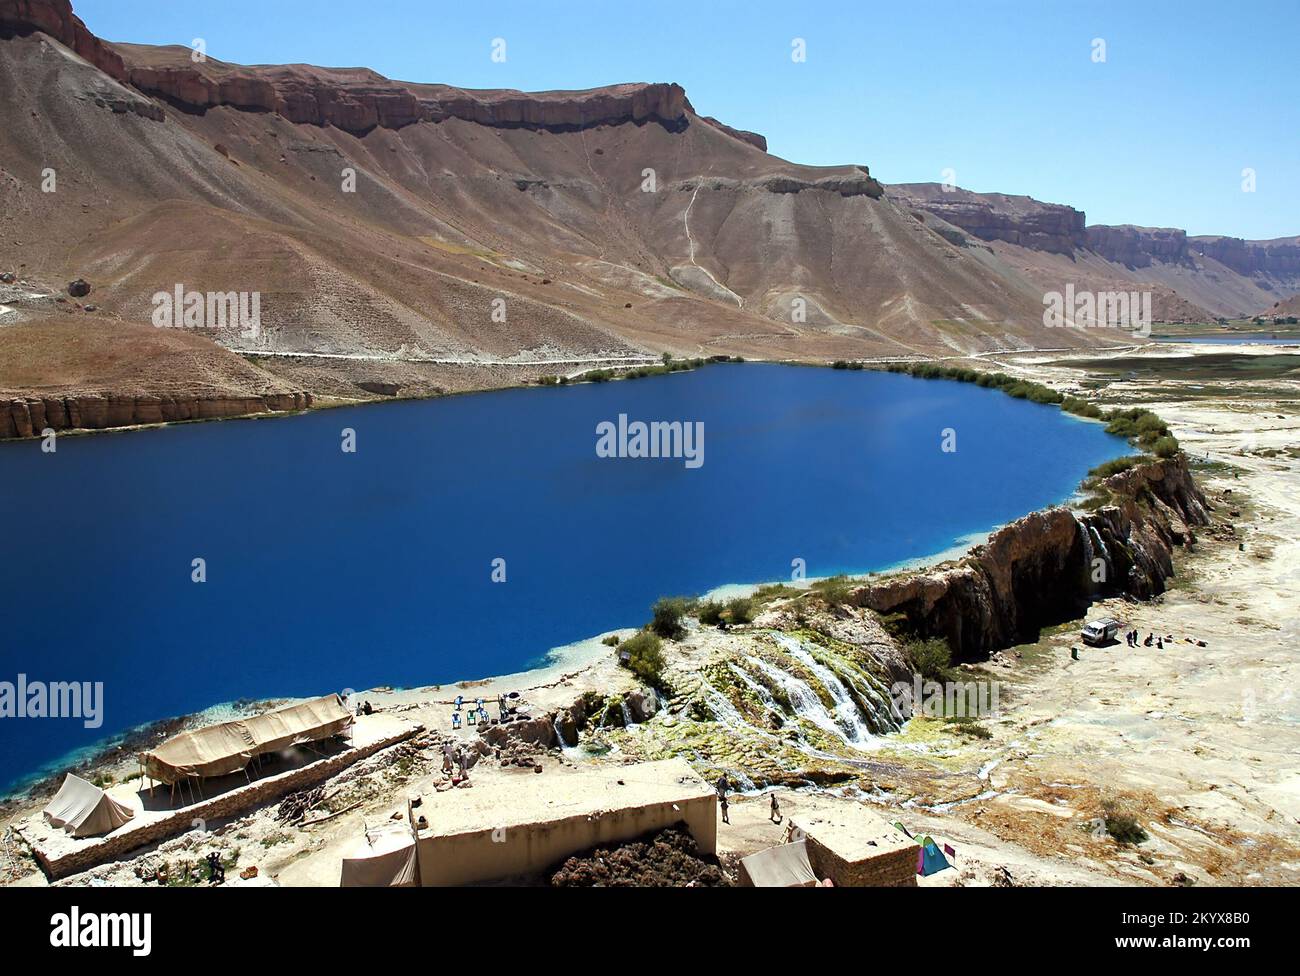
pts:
[1103, 631]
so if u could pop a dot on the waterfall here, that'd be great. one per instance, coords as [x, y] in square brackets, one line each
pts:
[627, 714]
[1105, 553]
[559, 731]
[804, 701]
[847, 714]
[1086, 538]
[759, 691]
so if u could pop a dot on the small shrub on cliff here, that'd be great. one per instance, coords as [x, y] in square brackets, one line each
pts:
[835, 591]
[931, 659]
[740, 610]
[1121, 824]
[644, 657]
[1165, 447]
[668, 612]
[610, 640]
[1115, 466]
[710, 613]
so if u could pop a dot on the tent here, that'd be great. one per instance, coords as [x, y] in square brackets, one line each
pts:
[387, 858]
[784, 866]
[84, 810]
[229, 746]
[929, 859]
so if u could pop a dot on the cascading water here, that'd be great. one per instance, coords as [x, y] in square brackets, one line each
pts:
[804, 701]
[847, 715]
[627, 714]
[1086, 538]
[559, 731]
[1101, 547]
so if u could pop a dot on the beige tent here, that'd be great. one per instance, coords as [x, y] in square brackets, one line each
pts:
[785, 866]
[387, 858]
[228, 747]
[84, 810]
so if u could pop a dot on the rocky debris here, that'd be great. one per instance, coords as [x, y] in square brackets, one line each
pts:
[79, 288]
[28, 417]
[667, 859]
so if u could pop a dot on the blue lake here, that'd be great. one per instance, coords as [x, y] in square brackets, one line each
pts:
[328, 570]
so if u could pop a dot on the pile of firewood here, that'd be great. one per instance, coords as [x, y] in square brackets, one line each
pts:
[295, 807]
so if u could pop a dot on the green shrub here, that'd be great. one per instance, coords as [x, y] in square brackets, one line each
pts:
[931, 658]
[1165, 447]
[740, 610]
[667, 614]
[1121, 824]
[1115, 466]
[644, 657]
[610, 641]
[710, 613]
[835, 591]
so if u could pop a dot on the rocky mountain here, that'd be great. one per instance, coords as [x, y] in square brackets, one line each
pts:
[424, 237]
[1191, 278]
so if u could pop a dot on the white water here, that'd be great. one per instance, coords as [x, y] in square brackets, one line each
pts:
[846, 710]
[805, 702]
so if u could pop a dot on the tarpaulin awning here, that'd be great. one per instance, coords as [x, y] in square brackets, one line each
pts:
[384, 859]
[229, 746]
[84, 810]
[784, 866]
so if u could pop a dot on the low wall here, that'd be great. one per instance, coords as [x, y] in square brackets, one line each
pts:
[532, 827]
[113, 847]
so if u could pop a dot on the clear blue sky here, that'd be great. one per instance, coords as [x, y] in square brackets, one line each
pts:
[1006, 94]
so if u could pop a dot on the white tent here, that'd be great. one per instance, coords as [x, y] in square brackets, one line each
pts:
[84, 810]
[385, 858]
[784, 866]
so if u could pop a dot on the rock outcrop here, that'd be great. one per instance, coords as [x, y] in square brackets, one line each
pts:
[29, 416]
[1137, 247]
[1000, 216]
[1278, 258]
[55, 18]
[1039, 570]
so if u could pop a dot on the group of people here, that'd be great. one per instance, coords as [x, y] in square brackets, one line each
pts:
[1132, 639]
[724, 785]
[454, 757]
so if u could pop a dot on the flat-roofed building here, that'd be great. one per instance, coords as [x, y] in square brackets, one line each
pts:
[524, 825]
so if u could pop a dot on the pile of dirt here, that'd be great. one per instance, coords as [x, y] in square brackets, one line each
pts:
[667, 859]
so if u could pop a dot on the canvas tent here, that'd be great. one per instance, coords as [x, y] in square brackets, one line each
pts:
[929, 859]
[784, 866]
[229, 746]
[84, 810]
[387, 858]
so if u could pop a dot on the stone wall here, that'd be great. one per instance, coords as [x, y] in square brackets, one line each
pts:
[890, 869]
[92, 853]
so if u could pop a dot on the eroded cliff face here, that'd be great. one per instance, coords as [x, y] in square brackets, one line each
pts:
[1021, 220]
[55, 18]
[1038, 571]
[1278, 259]
[28, 417]
[1137, 247]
